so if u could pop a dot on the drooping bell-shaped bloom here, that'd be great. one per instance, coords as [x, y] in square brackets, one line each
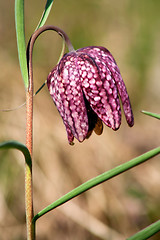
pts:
[86, 86]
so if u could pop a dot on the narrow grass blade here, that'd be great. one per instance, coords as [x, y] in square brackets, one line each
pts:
[147, 232]
[45, 13]
[97, 180]
[155, 115]
[20, 33]
[19, 146]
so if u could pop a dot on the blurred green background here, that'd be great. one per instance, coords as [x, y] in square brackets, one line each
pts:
[124, 205]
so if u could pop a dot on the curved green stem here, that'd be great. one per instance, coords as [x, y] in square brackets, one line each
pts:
[19, 146]
[20, 33]
[97, 180]
[28, 182]
[31, 44]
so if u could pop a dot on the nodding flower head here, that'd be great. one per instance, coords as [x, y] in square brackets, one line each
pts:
[86, 86]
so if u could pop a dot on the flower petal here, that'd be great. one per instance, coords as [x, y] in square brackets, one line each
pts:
[65, 88]
[103, 56]
[100, 91]
[52, 82]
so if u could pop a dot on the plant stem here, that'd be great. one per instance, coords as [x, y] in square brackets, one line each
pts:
[29, 144]
[29, 123]
[33, 39]
[28, 170]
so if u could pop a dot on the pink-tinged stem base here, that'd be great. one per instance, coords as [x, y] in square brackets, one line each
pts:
[28, 169]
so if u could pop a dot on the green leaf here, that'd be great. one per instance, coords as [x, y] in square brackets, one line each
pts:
[147, 232]
[155, 115]
[21, 45]
[97, 180]
[19, 146]
[45, 13]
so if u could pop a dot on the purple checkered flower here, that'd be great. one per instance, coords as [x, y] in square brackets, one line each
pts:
[85, 87]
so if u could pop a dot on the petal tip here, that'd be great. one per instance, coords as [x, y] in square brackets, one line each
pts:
[131, 122]
[71, 143]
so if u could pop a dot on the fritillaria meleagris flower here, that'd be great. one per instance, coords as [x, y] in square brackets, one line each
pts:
[86, 86]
